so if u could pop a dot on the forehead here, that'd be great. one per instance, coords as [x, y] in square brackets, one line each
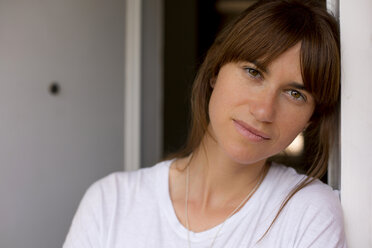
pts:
[262, 37]
[288, 62]
[290, 58]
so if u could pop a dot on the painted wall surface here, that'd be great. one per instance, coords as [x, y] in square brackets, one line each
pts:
[53, 147]
[152, 82]
[356, 120]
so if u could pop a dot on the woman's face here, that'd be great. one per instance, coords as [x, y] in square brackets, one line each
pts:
[257, 112]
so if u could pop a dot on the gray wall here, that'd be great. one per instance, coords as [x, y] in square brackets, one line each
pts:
[152, 82]
[53, 147]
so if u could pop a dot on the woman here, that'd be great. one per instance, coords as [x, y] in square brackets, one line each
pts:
[269, 75]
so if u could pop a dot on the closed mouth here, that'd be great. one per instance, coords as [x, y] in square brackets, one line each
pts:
[251, 131]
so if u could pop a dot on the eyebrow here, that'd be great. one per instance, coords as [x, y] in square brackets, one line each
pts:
[292, 84]
[259, 66]
[297, 86]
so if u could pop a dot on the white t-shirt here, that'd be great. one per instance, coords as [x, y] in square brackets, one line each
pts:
[134, 209]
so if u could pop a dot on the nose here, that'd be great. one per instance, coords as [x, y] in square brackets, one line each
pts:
[263, 106]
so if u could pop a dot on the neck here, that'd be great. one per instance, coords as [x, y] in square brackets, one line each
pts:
[216, 180]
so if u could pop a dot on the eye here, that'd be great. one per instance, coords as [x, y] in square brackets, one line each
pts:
[253, 72]
[296, 95]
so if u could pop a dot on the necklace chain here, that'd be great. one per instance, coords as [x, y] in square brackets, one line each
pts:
[231, 214]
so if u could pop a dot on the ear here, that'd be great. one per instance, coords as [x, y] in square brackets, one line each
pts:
[306, 126]
[212, 82]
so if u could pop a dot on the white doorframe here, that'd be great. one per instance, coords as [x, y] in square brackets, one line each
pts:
[132, 89]
[356, 120]
[333, 7]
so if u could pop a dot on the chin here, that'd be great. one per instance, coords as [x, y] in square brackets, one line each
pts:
[245, 156]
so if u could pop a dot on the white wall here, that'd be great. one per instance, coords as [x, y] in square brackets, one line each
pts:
[356, 120]
[53, 147]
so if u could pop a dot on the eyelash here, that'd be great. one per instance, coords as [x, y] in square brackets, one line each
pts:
[301, 97]
[249, 71]
[258, 75]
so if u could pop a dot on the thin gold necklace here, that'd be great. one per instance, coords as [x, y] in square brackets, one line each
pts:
[231, 214]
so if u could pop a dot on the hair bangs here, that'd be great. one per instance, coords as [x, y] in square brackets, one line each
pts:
[263, 35]
[320, 63]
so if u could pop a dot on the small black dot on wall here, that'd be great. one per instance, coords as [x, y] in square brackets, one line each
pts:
[54, 88]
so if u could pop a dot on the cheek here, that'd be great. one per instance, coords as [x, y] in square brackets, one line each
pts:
[216, 109]
[292, 125]
[219, 104]
[227, 95]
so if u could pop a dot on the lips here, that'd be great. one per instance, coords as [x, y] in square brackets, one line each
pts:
[250, 132]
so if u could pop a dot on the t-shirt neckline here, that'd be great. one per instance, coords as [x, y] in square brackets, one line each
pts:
[170, 214]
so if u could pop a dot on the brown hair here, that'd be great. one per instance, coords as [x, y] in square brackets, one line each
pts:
[261, 33]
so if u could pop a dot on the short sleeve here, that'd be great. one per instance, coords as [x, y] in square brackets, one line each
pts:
[85, 228]
[320, 228]
[312, 219]
[316, 217]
